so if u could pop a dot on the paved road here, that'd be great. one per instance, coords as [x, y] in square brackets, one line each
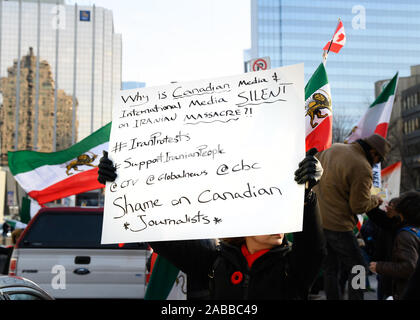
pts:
[369, 295]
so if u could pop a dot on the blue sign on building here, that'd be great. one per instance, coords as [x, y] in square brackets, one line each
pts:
[84, 15]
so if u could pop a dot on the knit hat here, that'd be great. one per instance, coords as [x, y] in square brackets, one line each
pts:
[379, 143]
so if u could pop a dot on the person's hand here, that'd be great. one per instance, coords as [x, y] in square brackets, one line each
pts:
[310, 170]
[361, 242]
[378, 199]
[372, 267]
[106, 170]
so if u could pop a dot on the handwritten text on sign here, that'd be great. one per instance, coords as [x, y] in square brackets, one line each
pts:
[207, 159]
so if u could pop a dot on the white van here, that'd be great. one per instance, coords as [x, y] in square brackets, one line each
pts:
[60, 250]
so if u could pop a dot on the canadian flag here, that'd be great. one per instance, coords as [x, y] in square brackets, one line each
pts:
[339, 39]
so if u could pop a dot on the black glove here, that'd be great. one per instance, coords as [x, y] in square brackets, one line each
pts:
[310, 170]
[106, 170]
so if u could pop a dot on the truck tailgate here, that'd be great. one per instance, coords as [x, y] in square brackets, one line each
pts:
[85, 273]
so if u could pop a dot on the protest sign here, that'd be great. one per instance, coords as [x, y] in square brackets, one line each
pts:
[207, 159]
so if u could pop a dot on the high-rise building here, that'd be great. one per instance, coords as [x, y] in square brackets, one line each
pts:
[45, 114]
[81, 48]
[404, 128]
[382, 38]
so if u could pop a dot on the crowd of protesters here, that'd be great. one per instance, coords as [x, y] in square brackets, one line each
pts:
[328, 252]
[389, 240]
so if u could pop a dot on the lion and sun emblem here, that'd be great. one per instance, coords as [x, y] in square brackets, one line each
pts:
[318, 102]
[82, 160]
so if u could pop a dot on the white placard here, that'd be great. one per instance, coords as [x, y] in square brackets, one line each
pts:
[207, 159]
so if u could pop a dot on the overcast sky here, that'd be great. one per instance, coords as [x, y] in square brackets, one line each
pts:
[180, 40]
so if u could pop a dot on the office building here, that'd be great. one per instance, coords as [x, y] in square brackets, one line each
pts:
[82, 50]
[404, 128]
[382, 38]
[43, 119]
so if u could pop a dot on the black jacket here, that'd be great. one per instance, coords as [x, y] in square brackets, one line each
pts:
[285, 272]
[390, 249]
[387, 230]
[412, 291]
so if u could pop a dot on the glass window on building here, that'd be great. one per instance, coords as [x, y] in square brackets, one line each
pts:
[291, 31]
[76, 38]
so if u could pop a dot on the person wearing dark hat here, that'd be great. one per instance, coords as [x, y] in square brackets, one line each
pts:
[344, 191]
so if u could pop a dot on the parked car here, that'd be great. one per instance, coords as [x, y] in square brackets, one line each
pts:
[61, 251]
[18, 288]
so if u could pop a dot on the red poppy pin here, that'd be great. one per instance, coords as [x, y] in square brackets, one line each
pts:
[236, 277]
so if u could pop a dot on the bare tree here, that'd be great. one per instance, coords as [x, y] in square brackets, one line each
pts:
[397, 152]
[342, 125]
[344, 121]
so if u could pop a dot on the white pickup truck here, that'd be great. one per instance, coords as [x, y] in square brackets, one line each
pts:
[60, 250]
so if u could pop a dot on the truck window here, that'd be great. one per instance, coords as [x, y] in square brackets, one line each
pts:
[70, 230]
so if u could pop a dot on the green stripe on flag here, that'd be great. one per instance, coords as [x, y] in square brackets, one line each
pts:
[25, 160]
[162, 279]
[318, 80]
[388, 91]
[25, 211]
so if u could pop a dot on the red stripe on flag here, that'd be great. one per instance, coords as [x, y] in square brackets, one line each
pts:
[335, 47]
[81, 182]
[321, 137]
[389, 169]
[382, 129]
[152, 264]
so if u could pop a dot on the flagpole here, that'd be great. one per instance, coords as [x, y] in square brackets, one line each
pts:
[325, 54]
[324, 57]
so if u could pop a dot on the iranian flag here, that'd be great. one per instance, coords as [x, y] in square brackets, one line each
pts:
[376, 118]
[318, 108]
[360, 221]
[391, 178]
[166, 281]
[50, 176]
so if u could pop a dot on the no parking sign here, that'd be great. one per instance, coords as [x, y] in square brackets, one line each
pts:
[258, 64]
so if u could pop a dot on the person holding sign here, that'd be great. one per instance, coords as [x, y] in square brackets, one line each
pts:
[253, 267]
